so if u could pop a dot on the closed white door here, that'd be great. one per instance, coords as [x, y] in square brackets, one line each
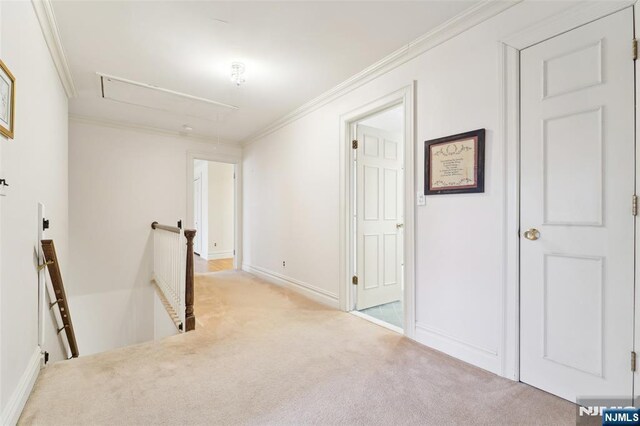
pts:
[197, 214]
[577, 227]
[379, 217]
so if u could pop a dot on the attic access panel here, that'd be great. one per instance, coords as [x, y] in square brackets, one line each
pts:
[157, 98]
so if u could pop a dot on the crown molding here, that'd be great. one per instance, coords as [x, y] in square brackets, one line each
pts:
[460, 23]
[47, 20]
[149, 129]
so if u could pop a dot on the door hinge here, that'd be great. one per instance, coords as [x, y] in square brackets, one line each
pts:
[354, 144]
[634, 205]
[354, 280]
[634, 49]
[633, 361]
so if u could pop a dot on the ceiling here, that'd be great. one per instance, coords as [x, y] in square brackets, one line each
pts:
[293, 52]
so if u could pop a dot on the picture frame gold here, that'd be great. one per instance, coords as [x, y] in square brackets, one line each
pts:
[7, 101]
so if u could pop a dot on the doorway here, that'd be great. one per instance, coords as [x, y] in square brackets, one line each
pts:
[577, 183]
[214, 212]
[348, 231]
[378, 216]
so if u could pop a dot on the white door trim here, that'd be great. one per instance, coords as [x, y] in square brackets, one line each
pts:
[201, 234]
[405, 97]
[237, 193]
[509, 69]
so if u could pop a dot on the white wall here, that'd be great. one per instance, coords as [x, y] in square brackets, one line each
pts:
[291, 192]
[221, 210]
[121, 179]
[35, 166]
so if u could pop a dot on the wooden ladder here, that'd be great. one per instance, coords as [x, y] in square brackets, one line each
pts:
[51, 262]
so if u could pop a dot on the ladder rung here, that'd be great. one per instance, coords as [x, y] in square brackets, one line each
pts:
[52, 304]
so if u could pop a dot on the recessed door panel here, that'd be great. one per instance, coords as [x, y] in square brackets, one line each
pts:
[577, 68]
[371, 192]
[390, 259]
[573, 167]
[390, 194]
[572, 306]
[371, 255]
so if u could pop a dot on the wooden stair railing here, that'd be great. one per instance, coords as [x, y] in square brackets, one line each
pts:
[51, 263]
[189, 318]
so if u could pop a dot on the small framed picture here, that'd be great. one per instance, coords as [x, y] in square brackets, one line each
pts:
[455, 164]
[7, 101]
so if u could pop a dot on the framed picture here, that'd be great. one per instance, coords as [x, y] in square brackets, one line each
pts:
[7, 101]
[454, 164]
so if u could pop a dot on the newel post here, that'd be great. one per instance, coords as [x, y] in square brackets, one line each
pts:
[190, 318]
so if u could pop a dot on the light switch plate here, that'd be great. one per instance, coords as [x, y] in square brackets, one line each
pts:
[420, 198]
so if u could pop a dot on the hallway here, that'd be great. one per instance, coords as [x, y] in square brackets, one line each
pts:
[202, 266]
[262, 354]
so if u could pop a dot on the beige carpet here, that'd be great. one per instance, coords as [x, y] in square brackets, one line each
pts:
[265, 355]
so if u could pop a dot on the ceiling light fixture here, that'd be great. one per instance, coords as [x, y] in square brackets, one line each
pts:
[237, 73]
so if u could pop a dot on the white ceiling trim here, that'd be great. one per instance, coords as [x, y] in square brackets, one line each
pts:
[44, 12]
[149, 129]
[471, 17]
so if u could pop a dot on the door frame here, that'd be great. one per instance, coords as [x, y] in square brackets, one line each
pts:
[237, 196]
[405, 97]
[509, 70]
[204, 189]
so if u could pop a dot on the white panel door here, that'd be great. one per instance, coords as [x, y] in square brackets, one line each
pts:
[197, 214]
[577, 228]
[379, 217]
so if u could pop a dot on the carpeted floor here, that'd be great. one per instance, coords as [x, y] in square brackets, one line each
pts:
[265, 355]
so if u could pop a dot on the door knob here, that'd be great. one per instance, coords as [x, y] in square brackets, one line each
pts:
[399, 225]
[532, 234]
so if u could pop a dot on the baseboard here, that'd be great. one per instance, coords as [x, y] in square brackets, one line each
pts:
[472, 354]
[18, 399]
[214, 255]
[202, 256]
[308, 290]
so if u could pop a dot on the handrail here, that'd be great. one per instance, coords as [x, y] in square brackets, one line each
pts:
[51, 263]
[178, 289]
[156, 225]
